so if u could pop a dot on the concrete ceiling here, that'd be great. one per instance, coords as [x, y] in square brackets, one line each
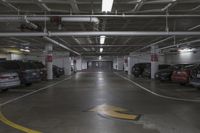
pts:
[114, 45]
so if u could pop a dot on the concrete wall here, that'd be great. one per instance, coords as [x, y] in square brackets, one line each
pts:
[4, 56]
[182, 58]
[84, 64]
[118, 63]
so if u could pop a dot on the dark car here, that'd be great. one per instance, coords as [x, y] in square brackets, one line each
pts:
[138, 69]
[195, 76]
[57, 71]
[165, 74]
[147, 70]
[41, 68]
[26, 70]
[182, 75]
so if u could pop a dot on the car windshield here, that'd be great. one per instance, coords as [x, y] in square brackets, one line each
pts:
[164, 66]
[9, 65]
[39, 65]
[29, 65]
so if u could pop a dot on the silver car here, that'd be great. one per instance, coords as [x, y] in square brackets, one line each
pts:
[8, 79]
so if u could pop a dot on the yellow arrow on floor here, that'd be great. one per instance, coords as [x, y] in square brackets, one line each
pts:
[115, 112]
[16, 126]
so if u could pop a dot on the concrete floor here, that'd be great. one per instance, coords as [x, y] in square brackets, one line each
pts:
[63, 108]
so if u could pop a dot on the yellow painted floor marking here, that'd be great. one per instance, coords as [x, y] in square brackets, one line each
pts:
[16, 126]
[115, 112]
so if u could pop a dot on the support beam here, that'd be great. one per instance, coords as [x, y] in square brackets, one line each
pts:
[100, 33]
[6, 3]
[110, 16]
[61, 45]
[105, 45]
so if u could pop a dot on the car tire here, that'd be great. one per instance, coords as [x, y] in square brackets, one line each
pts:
[28, 84]
[183, 84]
[4, 90]
[136, 76]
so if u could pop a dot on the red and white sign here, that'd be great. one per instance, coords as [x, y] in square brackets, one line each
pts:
[49, 58]
[154, 57]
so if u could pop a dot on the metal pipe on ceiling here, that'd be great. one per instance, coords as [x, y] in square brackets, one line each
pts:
[126, 33]
[61, 45]
[94, 18]
[101, 33]
[48, 18]
[180, 44]
[105, 45]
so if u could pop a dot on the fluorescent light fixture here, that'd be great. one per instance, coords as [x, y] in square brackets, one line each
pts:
[186, 50]
[100, 57]
[25, 50]
[102, 39]
[101, 50]
[107, 5]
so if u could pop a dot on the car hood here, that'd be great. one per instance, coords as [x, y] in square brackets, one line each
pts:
[165, 71]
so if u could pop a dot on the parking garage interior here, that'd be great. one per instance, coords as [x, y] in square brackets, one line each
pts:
[99, 66]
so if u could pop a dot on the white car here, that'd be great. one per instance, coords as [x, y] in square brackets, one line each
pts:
[8, 79]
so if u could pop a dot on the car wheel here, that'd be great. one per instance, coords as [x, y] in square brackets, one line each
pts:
[4, 90]
[183, 84]
[136, 76]
[28, 84]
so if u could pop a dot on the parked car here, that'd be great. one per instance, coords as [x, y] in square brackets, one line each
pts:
[195, 76]
[147, 70]
[165, 74]
[8, 79]
[57, 71]
[26, 70]
[138, 69]
[41, 68]
[183, 74]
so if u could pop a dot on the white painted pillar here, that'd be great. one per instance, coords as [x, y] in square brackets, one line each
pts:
[67, 66]
[130, 64]
[154, 60]
[49, 61]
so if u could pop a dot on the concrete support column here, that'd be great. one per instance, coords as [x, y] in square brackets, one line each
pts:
[49, 61]
[154, 60]
[67, 66]
[130, 64]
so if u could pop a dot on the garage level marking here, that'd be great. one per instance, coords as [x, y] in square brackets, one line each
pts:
[114, 112]
[156, 94]
[4, 120]
[31, 93]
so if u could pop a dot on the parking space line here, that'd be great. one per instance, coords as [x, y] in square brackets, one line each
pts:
[31, 93]
[156, 94]
[16, 126]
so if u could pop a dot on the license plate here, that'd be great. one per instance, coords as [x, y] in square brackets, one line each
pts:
[198, 75]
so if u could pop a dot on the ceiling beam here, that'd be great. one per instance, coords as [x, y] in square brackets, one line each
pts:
[101, 33]
[9, 5]
[105, 45]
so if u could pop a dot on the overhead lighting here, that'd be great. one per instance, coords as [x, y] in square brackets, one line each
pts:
[100, 58]
[107, 5]
[102, 39]
[25, 50]
[182, 50]
[101, 50]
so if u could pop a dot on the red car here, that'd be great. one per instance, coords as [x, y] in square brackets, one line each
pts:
[182, 75]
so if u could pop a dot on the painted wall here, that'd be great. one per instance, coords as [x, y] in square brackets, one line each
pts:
[84, 64]
[183, 58]
[118, 63]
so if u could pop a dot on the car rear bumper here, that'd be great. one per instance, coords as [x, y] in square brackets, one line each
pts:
[5, 85]
[195, 83]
